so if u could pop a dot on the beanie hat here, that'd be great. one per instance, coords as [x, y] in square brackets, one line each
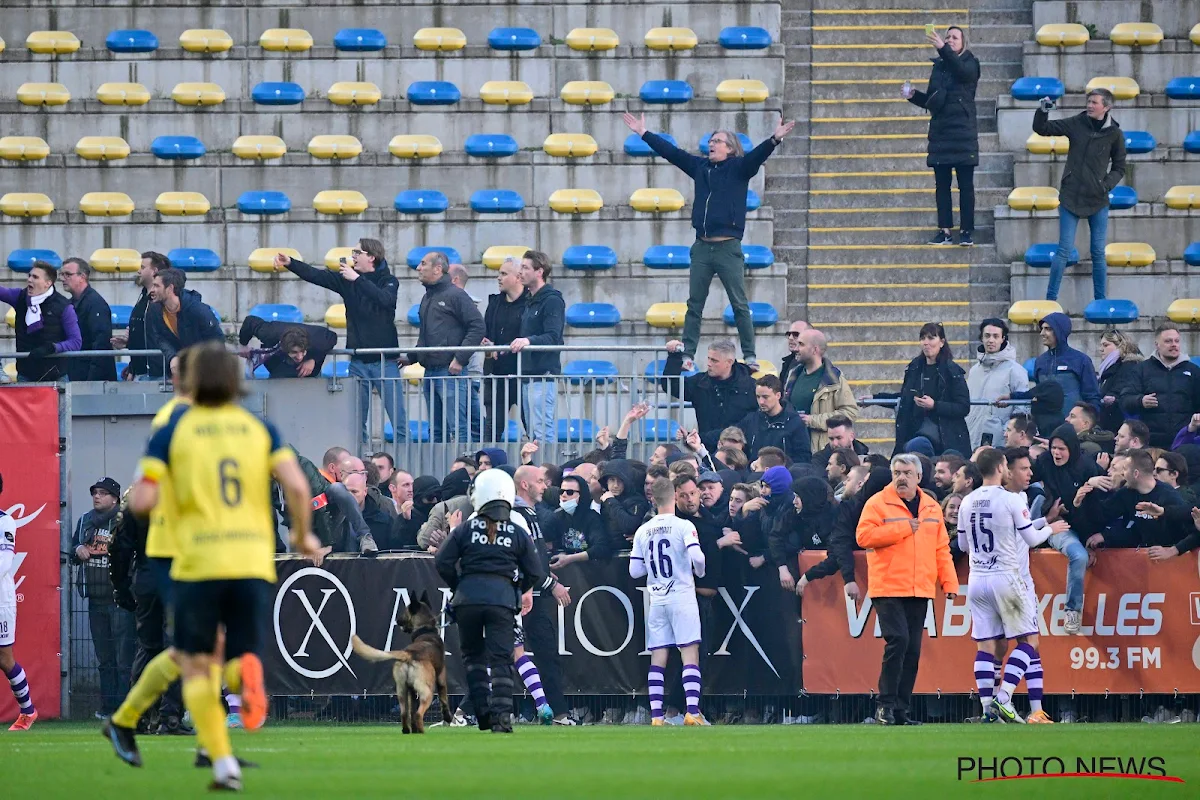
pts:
[778, 478]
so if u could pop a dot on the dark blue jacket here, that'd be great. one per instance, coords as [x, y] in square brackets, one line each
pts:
[370, 303]
[542, 323]
[719, 207]
[1066, 366]
[196, 323]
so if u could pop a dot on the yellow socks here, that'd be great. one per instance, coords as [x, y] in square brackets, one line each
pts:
[201, 697]
[156, 677]
[233, 675]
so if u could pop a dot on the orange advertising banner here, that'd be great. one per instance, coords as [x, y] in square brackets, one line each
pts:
[1141, 629]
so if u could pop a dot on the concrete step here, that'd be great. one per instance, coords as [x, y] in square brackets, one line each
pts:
[887, 292]
[924, 217]
[903, 46]
[911, 31]
[899, 179]
[886, 234]
[914, 160]
[833, 88]
[917, 310]
[921, 255]
[923, 197]
[878, 327]
[885, 107]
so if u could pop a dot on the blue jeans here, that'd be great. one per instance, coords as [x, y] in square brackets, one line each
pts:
[371, 375]
[1098, 230]
[539, 404]
[450, 395]
[1069, 545]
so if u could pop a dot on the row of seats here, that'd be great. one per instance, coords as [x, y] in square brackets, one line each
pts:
[419, 93]
[1126, 34]
[1123, 197]
[588, 258]
[1035, 87]
[1136, 143]
[357, 40]
[1045, 198]
[1110, 311]
[1128, 254]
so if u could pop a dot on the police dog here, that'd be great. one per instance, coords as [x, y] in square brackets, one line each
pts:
[418, 668]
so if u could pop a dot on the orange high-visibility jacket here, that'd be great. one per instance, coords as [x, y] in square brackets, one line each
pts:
[901, 563]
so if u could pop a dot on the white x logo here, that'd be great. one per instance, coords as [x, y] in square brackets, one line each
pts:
[740, 622]
[315, 624]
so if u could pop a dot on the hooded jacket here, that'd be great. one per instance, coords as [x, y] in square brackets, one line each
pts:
[278, 364]
[370, 304]
[583, 530]
[449, 319]
[1087, 178]
[993, 375]
[542, 322]
[502, 324]
[833, 396]
[454, 493]
[624, 513]
[952, 403]
[717, 403]
[901, 563]
[195, 323]
[1061, 483]
[785, 430]
[1178, 391]
[1072, 370]
[950, 99]
[95, 329]
[806, 529]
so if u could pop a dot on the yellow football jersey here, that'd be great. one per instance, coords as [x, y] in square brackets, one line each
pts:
[160, 540]
[219, 462]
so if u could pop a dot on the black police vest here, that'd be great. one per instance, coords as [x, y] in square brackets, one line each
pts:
[51, 332]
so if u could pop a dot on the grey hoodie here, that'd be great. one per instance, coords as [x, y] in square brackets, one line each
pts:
[993, 375]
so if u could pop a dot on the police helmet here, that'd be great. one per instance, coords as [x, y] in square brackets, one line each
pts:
[493, 494]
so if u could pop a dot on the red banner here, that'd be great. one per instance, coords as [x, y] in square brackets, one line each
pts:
[30, 464]
[1141, 630]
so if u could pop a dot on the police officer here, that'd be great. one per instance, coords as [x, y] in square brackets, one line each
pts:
[491, 565]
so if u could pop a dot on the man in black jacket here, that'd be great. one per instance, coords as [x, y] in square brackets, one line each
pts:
[95, 323]
[719, 217]
[45, 324]
[721, 396]
[623, 505]
[1163, 390]
[141, 368]
[542, 323]
[841, 434]
[1114, 511]
[178, 317]
[502, 324]
[368, 289]
[1096, 142]
[450, 320]
[775, 425]
[289, 349]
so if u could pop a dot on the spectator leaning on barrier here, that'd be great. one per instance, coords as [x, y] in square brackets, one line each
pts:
[840, 433]
[1096, 142]
[46, 324]
[95, 323]
[455, 506]
[774, 424]
[141, 367]
[1114, 509]
[178, 318]
[289, 349]
[996, 374]
[721, 396]
[542, 322]
[502, 324]
[460, 277]
[1119, 357]
[816, 388]
[337, 520]
[1070, 369]
[576, 531]
[1163, 390]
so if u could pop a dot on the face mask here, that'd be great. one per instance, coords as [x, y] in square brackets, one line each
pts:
[569, 506]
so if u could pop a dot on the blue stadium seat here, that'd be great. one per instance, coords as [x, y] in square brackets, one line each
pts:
[277, 93]
[490, 145]
[636, 145]
[514, 39]
[757, 256]
[747, 144]
[1030, 364]
[655, 369]
[668, 256]
[1032, 87]
[1191, 255]
[497, 201]
[359, 40]
[1122, 197]
[22, 260]
[666, 92]
[131, 41]
[589, 256]
[418, 431]
[1111, 312]
[1139, 142]
[264, 203]
[121, 315]
[261, 373]
[593, 315]
[413, 317]
[177, 148]
[740, 37]
[339, 368]
[121, 367]
[659, 430]
[216, 316]
[433, 93]
[762, 314]
[1191, 142]
[421, 201]
[194, 259]
[753, 201]
[576, 430]
[277, 312]
[417, 253]
[1184, 88]
[1039, 255]
[588, 371]
[512, 433]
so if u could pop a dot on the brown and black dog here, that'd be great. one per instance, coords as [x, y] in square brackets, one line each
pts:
[419, 668]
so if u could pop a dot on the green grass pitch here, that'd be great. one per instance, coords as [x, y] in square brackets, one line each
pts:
[70, 760]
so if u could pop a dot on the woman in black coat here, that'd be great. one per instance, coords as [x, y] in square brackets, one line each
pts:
[953, 130]
[1119, 359]
[934, 399]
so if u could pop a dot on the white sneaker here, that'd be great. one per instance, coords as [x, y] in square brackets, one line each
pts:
[1074, 620]
[459, 720]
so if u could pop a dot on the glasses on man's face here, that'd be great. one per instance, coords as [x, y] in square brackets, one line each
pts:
[1161, 470]
[356, 252]
[793, 334]
[568, 492]
[67, 274]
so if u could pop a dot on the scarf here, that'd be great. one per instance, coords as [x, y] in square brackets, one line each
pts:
[33, 310]
[1109, 360]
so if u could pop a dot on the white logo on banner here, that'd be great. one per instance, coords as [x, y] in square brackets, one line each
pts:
[20, 521]
[316, 623]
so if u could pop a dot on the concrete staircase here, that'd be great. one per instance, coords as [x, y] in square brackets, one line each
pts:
[854, 201]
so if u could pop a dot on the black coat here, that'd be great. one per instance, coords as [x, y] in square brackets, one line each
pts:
[278, 364]
[1062, 483]
[370, 303]
[952, 403]
[950, 99]
[502, 324]
[718, 404]
[140, 365]
[449, 318]
[624, 514]
[1178, 392]
[1112, 383]
[1087, 178]
[785, 430]
[582, 530]
[542, 322]
[95, 326]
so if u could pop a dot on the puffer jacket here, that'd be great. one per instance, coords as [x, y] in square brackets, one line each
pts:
[952, 403]
[901, 563]
[625, 512]
[994, 375]
[1087, 177]
[1112, 383]
[1178, 391]
[950, 99]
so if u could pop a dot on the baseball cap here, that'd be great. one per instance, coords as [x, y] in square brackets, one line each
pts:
[108, 485]
[708, 476]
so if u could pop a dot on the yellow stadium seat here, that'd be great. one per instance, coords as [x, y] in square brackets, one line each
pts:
[742, 91]
[182, 204]
[333, 254]
[116, 259]
[576, 201]
[26, 204]
[586, 93]
[23, 148]
[335, 316]
[106, 204]
[10, 369]
[494, 256]
[354, 93]
[198, 94]
[1031, 312]
[286, 40]
[1063, 34]
[52, 42]
[1129, 254]
[666, 315]
[593, 39]
[263, 258]
[340, 201]
[43, 94]
[413, 373]
[10, 318]
[1184, 310]
[123, 94]
[1194, 34]
[1136, 34]
[334, 146]
[205, 40]
[671, 39]
[1033, 198]
[1047, 145]
[1, 44]
[415, 145]
[1121, 87]
[102, 148]
[506, 93]
[570, 145]
[765, 367]
[439, 39]
[1183, 197]
[656, 200]
[259, 147]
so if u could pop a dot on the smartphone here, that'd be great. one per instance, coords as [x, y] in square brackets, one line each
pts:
[342, 261]
[985, 440]
[929, 29]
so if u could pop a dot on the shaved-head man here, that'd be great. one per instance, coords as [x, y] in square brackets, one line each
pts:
[813, 385]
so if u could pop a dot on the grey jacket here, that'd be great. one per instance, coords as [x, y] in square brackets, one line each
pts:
[993, 375]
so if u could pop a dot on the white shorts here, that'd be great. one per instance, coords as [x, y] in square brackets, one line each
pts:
[1003, 606]
[672, 625]
[8, 625]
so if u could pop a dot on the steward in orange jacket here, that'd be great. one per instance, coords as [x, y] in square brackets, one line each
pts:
[901, 561]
